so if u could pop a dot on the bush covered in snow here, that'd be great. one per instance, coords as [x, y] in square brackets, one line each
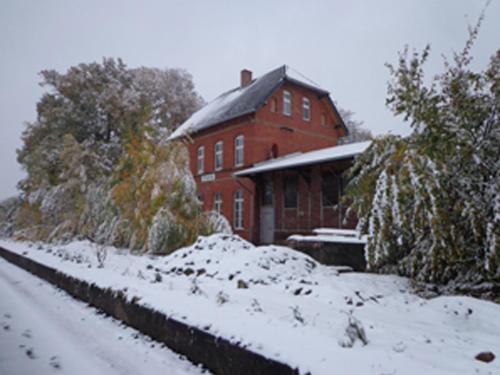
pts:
[98, 165]
[8, 211]
[430, 202]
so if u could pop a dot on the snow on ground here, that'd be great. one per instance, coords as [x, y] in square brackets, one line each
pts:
[44, 331]
[283, 304]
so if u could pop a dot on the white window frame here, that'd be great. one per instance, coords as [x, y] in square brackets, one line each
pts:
[306, 109]
[287, 103]
[218, 155]
[239, 150]
[239, 203]
[200, 160]
[218, 202]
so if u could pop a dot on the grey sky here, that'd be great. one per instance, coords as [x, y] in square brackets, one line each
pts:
[341, 45]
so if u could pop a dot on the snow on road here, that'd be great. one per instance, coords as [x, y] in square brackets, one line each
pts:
[45, 331]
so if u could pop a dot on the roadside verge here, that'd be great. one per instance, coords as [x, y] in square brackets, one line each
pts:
[216, 354]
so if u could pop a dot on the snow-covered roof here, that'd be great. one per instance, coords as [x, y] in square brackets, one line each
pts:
[307, 158]
[242, 100]
[328, 238]
[337, 232]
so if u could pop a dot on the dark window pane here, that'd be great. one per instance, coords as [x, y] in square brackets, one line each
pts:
[267, 192]
[290, 191]
[330, 189]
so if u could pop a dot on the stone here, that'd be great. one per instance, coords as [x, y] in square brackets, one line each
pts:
[485, 357]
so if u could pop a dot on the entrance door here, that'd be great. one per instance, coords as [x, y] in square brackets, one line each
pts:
[266, 224]
[267, 213]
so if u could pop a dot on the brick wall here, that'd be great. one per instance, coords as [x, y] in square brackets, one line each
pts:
[263, 132]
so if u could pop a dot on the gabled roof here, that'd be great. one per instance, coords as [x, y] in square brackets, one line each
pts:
[300, 159]
[243, 100]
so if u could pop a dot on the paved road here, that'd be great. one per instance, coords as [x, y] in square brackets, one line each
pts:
[44, 331]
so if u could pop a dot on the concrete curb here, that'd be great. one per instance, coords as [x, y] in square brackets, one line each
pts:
[216, 354]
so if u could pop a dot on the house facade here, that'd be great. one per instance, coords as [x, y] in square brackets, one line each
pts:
[254, 155]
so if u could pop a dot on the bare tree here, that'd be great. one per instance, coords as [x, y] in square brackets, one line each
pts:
[357, 133]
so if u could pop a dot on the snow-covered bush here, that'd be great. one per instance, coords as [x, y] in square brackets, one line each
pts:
[218, 223]
[98, 165]
[101, 253]
[155, 192]
[163, 232]
[430, 202]
[8, 212]
[354, 332]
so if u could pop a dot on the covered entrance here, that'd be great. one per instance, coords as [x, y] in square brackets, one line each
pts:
[267, 221]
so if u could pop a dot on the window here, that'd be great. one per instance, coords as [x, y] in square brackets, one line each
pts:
[306, 109]
[273, 105]
[219, 146]
[287, 103]
[218, 202]
[239, 147]
[267, 192]
[201, 159]
[290, 191]
[323, 119]
[238, 210]
[330, 189]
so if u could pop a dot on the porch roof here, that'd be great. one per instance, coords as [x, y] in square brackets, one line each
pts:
[299, 159]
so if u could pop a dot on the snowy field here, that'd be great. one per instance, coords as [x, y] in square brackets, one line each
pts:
[281, 303]
[45, 331]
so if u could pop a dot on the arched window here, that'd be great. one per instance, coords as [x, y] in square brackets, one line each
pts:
[274, 151]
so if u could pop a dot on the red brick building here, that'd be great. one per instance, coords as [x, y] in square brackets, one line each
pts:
[263, 155]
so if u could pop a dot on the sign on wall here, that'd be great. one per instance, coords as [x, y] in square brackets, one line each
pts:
[208, 177]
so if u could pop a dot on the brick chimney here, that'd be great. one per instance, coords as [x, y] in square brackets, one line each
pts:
[246, 77]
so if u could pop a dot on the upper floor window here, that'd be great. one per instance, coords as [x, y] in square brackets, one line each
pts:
[239, 150]
[201, 159]
[323, 119]
[291, 196]
[218, 157]
[287, 103]
[273, 105]
[306, 109]
[218, 202]
[238, 210]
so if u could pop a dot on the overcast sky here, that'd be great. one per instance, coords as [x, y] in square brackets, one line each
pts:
[341, 45]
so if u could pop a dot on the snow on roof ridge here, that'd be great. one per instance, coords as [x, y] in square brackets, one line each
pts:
[240, 101]
[295, 75]
[222, 103]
